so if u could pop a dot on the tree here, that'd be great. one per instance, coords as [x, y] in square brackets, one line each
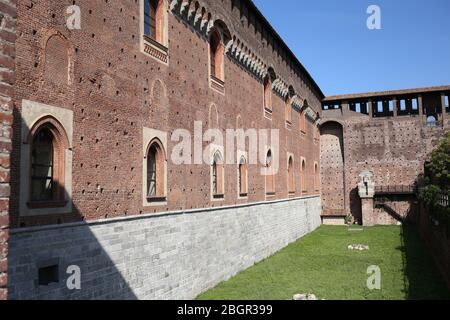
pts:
[439, 166]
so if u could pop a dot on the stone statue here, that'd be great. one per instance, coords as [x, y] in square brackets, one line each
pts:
[366, 185]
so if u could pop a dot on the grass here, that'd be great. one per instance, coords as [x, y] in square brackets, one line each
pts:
[321, 263]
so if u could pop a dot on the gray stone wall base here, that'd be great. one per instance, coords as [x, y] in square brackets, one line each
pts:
[174, 256]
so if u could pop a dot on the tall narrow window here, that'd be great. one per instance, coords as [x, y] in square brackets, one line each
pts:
[155, 172]
[288, 111]
[47, 165]
[42, 165]
[415, 104]
[291, 180]
[303, 122]
[446, 102]
[217, 177]
[154, 20]
[270, 181]
[303, 176]
[268, 93]
[216, 56]
[316, 177]
[243, 178]
[402, 105]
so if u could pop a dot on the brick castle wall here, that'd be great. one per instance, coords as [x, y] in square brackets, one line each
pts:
[115, 91]
[7, 78]
[395, 149]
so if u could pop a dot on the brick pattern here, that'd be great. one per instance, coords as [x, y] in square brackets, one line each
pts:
[394, 148]
[7, 79]
[118, 90]
[168, 257]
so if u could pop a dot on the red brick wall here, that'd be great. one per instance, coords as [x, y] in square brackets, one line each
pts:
[394, 148]
[7, 76]
[332, 162]
[117, 90]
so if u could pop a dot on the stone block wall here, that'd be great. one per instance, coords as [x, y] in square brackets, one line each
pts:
[172, 256]
[7, 79]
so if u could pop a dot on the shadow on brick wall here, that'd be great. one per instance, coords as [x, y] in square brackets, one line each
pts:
[44, 249]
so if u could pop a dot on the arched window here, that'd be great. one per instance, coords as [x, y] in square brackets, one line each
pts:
[268, 93]
[291, 179]
[217, 176]
[270, 181]
[288, 111]
[154, 20]
[42, 165]
[156, 172]
[303, 177]
[303, 122]
[47, 164]
[316, 176]
[216, 56]
[243, 185]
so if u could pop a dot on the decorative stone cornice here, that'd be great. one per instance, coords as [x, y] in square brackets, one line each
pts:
[198, 15]
[297, 102]
[194, 13]
[246, 58]
[310, 113]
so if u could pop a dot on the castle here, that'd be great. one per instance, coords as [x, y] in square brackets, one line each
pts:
[96, 97]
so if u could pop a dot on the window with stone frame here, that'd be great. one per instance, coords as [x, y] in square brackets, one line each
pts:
[291, 175]
[243, 176]
[288, 112]
[154, 20]
[270, 179]
[47, 165]
[303, 122]
[156, 172]
[217, 176]
[216, 56]
[303, 177]
[316, 177]
[268, 94]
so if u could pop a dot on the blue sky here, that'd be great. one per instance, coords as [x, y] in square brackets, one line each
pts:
[331, 39]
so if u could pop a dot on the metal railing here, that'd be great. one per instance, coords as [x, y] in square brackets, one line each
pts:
[443, 199]
[409, 189]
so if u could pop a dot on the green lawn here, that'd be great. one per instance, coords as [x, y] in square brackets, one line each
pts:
[321, 263]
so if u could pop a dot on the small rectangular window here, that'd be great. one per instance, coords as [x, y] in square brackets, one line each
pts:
[415, 104]
[403, 105]
[446, 101]
[391, 105]
[358, 107]
[48, 275]
[380, 106]
[325, 107]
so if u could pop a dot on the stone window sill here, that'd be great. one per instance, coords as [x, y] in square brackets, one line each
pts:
[156, 49]
[46, 204]
[217, 84]
[156, 199]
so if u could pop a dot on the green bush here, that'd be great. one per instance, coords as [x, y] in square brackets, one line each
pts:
[439, 166]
